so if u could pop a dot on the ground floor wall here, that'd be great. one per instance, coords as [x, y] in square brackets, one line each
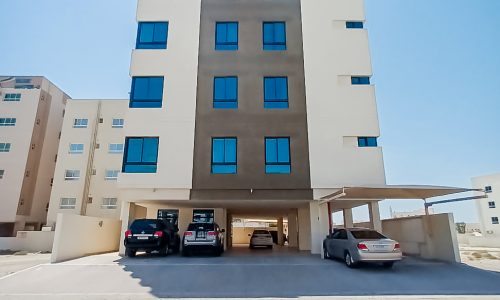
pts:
[31, 241]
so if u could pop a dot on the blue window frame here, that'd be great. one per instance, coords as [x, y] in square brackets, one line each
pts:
[367, 142]
[360, 80]
[226, 92]
[275, 92]
[278, 155]
[494, 220]
[12, 97]
[226, 36]
[274, 35]
[141, 155]
[8, 121]
[224, 155]
[354, 25]
[152, 35]
[147, 92]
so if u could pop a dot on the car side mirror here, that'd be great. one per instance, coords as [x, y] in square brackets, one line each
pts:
[223, 230]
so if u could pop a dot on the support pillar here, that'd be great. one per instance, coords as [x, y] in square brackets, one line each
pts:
[348, 220]
[375, 221]
[319, 225]
[281, 241]
[293, 240]
[127, 216]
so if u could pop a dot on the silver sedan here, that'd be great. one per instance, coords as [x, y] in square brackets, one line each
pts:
[355, 245]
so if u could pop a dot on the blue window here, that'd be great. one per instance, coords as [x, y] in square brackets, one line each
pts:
[274, 35]
[367, 142]
[354, 25]
[226, 92]
[12, 97]
[152, 35]
[275, 92]
[278, 155]
[224, 157]
[360, 80]
[141, 155]
[494, 220]
[226, 36]
[147, 92]
[8, 121]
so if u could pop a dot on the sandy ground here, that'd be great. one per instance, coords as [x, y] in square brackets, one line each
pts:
[480, 257]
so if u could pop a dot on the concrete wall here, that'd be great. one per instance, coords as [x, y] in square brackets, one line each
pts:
[479, 241]
[304, 224]
[32, 241]
[78, 236]
[429, 237]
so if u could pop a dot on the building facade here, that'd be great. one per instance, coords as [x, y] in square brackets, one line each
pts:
[488, 208]
[244, 109]
[89, 160]
[31, 116]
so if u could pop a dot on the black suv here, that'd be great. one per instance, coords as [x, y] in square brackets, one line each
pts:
[151, 235]
[203, 236]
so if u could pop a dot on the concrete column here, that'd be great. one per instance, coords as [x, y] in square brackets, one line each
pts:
[293, 229]
[281, 241]
[375, 221]
[319, 225]
[126, 216]
[304, 228]
[348, 220]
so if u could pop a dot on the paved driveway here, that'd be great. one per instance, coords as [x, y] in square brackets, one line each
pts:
[241, 273]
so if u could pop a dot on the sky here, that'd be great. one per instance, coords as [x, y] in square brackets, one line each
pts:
[436, 71]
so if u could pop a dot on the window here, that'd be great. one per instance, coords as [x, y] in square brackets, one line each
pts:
[111, 174]
[274, 35]
[4, 147]
[67, 203]
[354, 25]
[364, 80]
[141, 155]
[23, 80]
[12, 97]
[152, 35]
[80, 123]
[226, 36]
[226, 92]
[2, 173]
[147, 92]
[8, 121]
[109, 203]
[275, 92]
[488, 189]
[494, 220]
[115, 148]
[278, 155]
[203, 216]
[491, 204]
[75, 148]
[224, 157]
[117, 123]
[23, 83]
[367, 142]
[71, 175]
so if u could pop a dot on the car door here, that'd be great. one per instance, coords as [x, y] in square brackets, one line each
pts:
[341, 243]
[332, 243]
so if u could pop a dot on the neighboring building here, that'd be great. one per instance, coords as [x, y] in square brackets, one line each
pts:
[406, 214]
[242, 108]
[89, 160]
[31, 116]
[489, 208]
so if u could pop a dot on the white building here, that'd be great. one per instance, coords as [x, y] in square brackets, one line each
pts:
[489, 208]
[89, 160]
[31, 115]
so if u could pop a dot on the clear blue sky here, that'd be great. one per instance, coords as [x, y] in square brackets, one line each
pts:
[436, 70]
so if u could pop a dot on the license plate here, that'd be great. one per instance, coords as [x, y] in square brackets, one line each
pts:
[142, 237]
[200, 235]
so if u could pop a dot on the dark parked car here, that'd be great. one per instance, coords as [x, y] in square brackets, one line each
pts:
[151, 235]
[203, 236]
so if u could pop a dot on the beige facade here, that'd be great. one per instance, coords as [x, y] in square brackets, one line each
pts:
[89, 160]
[31, 116]
[489, 208]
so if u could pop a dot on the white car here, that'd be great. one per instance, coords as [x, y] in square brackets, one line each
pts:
[261, 238]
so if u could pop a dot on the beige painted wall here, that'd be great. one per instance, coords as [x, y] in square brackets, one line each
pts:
[32, 241]
[78, 236]
[304, 222]
[429, 237]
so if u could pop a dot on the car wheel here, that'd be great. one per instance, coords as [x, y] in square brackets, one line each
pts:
[164, 251]
[130, 253]
[251, 246]
[326, 255]
[388, 265]
[349, 261]
[186, 251]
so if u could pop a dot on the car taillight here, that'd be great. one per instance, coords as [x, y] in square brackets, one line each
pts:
[397, 247]
[159, 234]
[188, 233]
[362, 247]
[212, 233]
[128, 233]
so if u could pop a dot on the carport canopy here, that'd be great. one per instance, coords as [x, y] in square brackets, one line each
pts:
[394, 192]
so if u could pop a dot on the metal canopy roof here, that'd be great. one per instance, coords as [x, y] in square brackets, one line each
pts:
[394, 192]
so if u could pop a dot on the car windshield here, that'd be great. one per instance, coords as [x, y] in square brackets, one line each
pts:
[261, 232]
[367, 234]
[201, 226]
[145, 225]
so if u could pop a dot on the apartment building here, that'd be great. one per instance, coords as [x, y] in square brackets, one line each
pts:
[488, 208]
[31, 116]
[89, 160]
[250, 109]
